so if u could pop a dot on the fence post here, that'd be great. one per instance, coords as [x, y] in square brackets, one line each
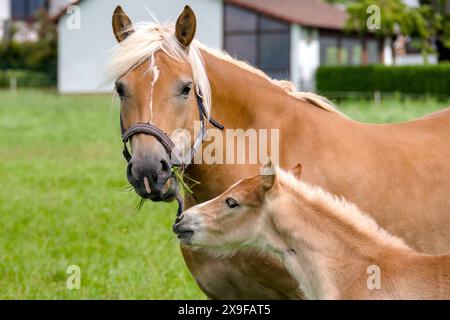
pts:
[13, 83]
[377, 97]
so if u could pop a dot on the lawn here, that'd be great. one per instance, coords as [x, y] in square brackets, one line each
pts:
[62, 202]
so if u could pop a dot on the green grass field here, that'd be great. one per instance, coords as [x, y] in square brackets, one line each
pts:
[62, 202]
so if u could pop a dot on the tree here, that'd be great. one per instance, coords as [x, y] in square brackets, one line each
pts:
[393, 15]
[36, 56]
[442, 41]
[429, 22]
[44, 54]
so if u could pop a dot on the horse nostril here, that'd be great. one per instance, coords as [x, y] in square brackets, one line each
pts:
[134, 171]
[129, 172]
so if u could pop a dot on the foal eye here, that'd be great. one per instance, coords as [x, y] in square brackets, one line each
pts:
[231, 203]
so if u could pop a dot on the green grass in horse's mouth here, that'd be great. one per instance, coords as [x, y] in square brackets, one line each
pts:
[185, 182]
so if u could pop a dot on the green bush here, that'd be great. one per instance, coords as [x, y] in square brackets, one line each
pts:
[422, 79]
[26, 79]
[40, 57]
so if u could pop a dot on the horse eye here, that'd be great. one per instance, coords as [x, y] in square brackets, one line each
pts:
[187, 89]
[120, 88]
[231, 203]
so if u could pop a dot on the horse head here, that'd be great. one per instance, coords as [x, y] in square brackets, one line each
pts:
[161, 81]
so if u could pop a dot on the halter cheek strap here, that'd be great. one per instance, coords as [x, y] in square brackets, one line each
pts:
[166, 141]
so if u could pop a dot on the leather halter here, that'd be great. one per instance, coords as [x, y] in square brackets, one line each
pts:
[166, 141]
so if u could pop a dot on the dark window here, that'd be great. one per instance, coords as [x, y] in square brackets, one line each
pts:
[267, 24]
[346, 50]
[351, 51]
[373, 51]
[26, 9]
[242, 46]
[239, 20]
[259, 40]
[274, 50]
[329, 48]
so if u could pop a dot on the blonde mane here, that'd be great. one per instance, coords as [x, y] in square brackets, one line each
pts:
[286, 85]
[149, 37]
[144, 42]
[340, 208]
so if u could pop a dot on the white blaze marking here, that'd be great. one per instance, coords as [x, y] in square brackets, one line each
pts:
[155, 70]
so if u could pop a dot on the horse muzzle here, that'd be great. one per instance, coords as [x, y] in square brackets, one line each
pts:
[152, 178]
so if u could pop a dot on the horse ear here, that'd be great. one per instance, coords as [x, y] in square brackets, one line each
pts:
[297, 171]
[268, 176]
[186, 27]
[122, 25]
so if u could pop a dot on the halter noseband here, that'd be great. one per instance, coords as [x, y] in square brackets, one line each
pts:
[163, 138]
[166, 141]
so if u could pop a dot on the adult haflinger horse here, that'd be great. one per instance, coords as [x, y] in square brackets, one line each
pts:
[399, 173]
[326, 243]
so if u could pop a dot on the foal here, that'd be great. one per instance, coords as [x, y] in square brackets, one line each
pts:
[332, 248]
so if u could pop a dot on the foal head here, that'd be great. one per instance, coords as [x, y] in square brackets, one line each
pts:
[234, 219]
[158, 72]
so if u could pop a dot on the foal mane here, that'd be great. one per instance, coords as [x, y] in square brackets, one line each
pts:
[340, 208]
[149, 37]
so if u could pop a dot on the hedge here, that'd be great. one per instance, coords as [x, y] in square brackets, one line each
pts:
[26, 78]
[422, 79]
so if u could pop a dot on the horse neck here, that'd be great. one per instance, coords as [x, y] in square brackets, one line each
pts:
[241, 98]
[316, 243]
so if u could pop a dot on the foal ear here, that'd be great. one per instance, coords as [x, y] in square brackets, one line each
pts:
[122, 25]
[268, 176]
[186, 27]
[297, 171]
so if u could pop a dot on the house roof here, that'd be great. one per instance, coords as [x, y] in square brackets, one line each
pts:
[309, 13]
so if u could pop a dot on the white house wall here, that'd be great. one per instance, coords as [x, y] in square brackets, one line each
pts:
[5, 10]
[305, 57]
[5, 14]
[84, 51]
[295, 48]
[387, 52]
[415, 59]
